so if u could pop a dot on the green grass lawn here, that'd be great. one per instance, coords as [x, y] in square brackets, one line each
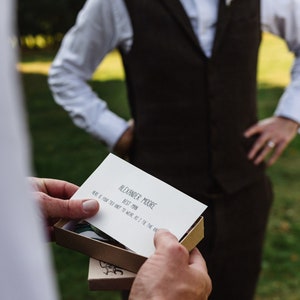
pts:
[62, 150]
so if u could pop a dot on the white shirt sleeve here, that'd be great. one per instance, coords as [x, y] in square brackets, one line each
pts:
[282, 18]
[100, 27]
[26, 270]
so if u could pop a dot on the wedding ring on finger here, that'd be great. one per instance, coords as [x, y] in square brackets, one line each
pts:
[271, 144]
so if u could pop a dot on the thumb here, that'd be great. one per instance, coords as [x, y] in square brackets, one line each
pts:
[164, 238]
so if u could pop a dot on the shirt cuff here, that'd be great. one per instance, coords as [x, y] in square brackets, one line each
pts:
[109, 128]
[289, 104]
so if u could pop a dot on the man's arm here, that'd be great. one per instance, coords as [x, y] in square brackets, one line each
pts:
[282, 18]
[100, 27]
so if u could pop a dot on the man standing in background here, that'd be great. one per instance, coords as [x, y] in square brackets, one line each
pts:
[25, 264]
[191, 79]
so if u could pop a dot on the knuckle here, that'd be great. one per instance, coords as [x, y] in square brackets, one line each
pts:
[68, 208]
[177, 250]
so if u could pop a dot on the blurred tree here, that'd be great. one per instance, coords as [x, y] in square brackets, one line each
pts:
[46, 17]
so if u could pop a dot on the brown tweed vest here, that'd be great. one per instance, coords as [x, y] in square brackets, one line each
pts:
[191, 111]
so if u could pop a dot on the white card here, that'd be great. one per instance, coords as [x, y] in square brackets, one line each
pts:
[134, 204]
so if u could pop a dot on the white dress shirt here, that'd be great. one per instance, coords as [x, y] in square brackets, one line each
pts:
[104, 25]
[26, 272]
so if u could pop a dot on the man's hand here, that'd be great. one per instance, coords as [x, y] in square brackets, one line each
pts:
[274, 136]
[171, 273]
[53, 197]
[122, 147]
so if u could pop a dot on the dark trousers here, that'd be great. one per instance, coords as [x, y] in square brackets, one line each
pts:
[235, 227]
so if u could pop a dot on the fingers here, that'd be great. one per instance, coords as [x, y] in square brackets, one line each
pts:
[59, 188]
[163, 238]
[197, 260]
[274, 135]
[54, 187]
[167, 245]
[261, 155]
[189, 269]
[263, 148]
[68, 209]
[252, 131]
[260, 148]
[276, 154]
[184, 273]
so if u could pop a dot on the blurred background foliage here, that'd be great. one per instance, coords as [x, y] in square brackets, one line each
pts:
[42, 23]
